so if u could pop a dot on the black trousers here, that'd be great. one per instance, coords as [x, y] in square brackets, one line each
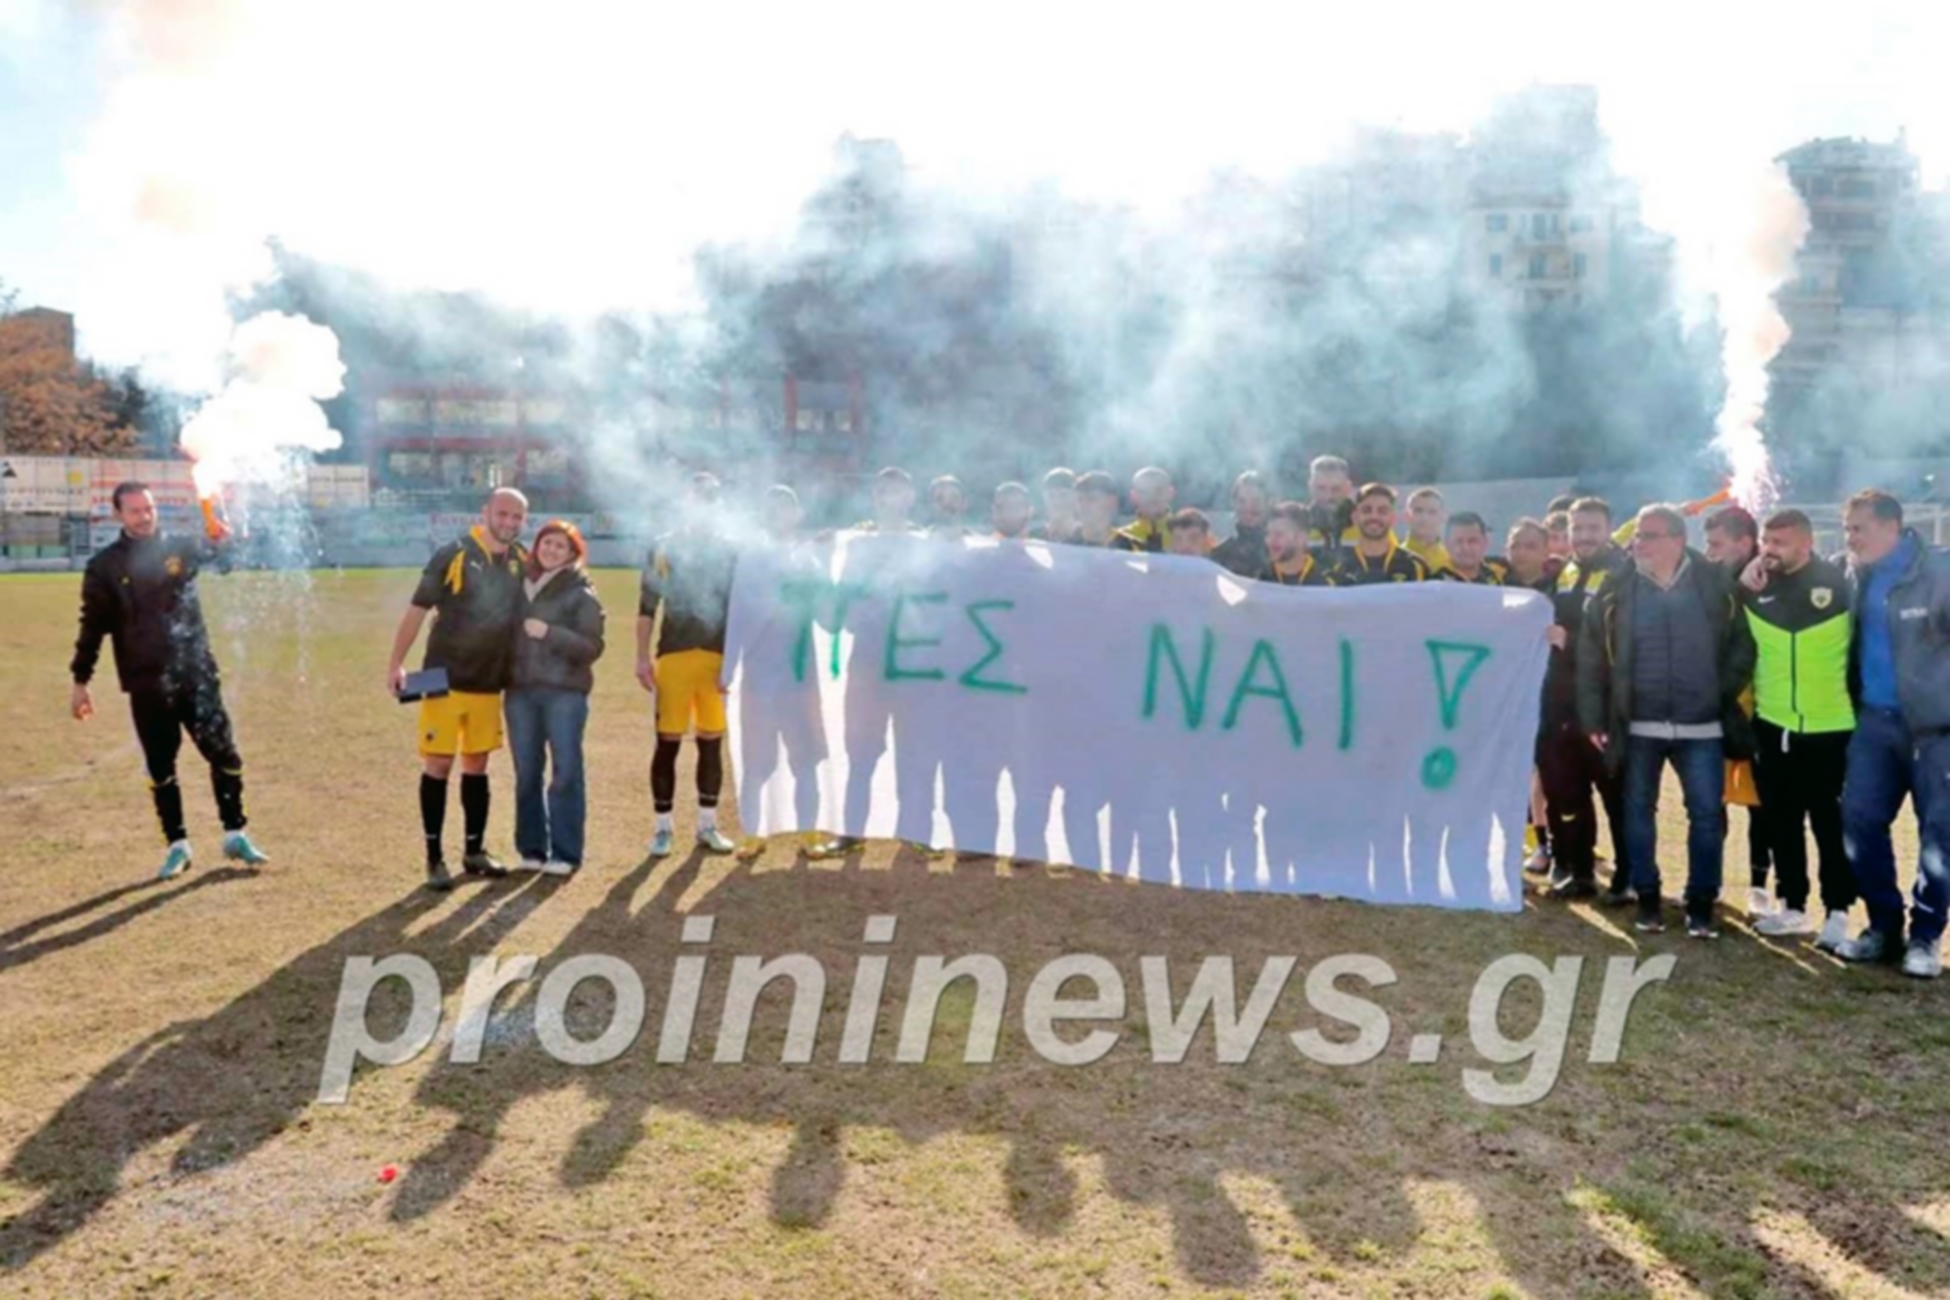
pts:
[1759, 857]
[1800, 780]
[1759, 844]
[162, 716]
[1571, 769]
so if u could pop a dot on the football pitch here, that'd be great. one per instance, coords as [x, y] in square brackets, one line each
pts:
[1773, 1125]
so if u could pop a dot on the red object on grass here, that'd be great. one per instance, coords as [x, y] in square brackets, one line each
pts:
[388, 1173]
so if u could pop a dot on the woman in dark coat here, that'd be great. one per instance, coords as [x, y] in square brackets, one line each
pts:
[560, 639]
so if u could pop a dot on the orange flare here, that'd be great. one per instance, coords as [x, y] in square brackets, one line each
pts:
[1704, 504]
[213, 523]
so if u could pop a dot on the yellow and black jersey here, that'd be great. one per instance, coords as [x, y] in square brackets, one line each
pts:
[1349, 536]
[1434, 554]
[1142, 534]
[1310, 572]
[1243, 553]
[689, 574]
[1571, 591]
[477, 599]
[1577, 580]
[1396, 564]
[1494, 573]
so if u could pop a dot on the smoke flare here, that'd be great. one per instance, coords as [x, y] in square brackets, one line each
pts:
[282, 367]
[1748, 267]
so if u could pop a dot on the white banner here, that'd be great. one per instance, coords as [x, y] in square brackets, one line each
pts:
[1148, 715]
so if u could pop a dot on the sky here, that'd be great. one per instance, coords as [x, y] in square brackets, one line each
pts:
[569, 155]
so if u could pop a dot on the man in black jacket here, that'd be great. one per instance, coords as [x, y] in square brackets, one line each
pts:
[1060, 522]
[139, 592]
[1151, 495]
[1733, 542]
[688, 580]
[472, 588]
[1244, 553]
[1468, 549]
[1288, 561]
[1010, 511]
[1664, 656]
[1377, 556]
[1568, 767]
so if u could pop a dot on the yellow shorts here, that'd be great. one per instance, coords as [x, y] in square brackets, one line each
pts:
[687, 690]
[460, 723]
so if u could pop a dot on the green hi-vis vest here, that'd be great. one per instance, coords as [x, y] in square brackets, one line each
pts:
[1801, 630]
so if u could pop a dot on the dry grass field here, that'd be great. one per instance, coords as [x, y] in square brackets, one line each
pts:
[1776, 1125]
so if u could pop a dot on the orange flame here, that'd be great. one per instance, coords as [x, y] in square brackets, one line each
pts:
[213, 521]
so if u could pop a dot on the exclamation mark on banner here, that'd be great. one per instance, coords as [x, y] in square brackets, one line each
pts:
[1347, 694]
[1439, 768]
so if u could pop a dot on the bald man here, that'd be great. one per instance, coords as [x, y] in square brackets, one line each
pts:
[1151, 494]
[472, 586]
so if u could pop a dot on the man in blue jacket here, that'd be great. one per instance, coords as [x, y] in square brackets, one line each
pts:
[1899, 673]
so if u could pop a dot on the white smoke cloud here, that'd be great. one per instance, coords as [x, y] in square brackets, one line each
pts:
[282, 367]
[1755, 257]
[570, 157]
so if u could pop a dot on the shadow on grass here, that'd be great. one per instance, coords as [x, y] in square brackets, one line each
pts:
[234, 1080]
[1349, 1153]
[1719, 1113]
[18, 946]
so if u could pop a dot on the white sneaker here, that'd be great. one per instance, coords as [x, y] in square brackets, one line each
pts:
[1834, 932]
[554, 868]
[1784, 923]
[713, 840]
[1923, 961]
[1761, 903]
[531, 864]
[237, 847]
[177, 862]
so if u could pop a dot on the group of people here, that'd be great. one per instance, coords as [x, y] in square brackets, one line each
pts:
[1815, 691]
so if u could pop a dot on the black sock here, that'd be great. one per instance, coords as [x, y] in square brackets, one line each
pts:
[710, 771]
[169, 809]
[474, 808]
[433, 814]
[663, 774]
[229, 787]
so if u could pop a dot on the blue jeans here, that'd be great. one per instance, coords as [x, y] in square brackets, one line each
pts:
[1702, 769]
[1885, 763]
[545, 725]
